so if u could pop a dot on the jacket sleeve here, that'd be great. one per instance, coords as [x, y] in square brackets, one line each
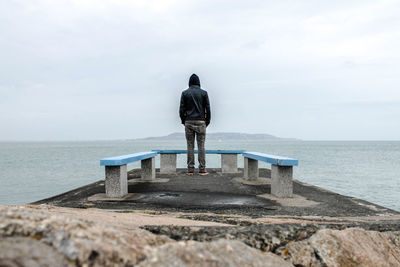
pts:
[208, 110]
[182, 112]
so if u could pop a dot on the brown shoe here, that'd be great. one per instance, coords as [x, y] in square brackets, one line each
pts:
[190, 173]
[203, 172]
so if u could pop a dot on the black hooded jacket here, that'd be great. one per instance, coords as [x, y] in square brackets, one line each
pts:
[195, 104]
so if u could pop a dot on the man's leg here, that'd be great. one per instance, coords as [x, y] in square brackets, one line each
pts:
[201, 139]
[190, 146]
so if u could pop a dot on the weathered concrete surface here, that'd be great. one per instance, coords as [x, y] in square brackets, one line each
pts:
[168, 163]
[148, 169]
[116, 184]
[229, 163]
[293, 201]
[259, 181]
[220, 184]
[251, 171]
[350, 247]
[282, 184]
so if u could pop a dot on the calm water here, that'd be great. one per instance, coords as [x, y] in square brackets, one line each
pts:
[30, 171]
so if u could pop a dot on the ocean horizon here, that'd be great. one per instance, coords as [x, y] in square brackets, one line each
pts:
[34, 170]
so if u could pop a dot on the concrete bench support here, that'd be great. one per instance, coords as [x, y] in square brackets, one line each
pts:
[281, 171]
[250, 169]
[148, 169]
[168, 163]
[116, 171]
[116, 181]
[282, 183]
[229, 163]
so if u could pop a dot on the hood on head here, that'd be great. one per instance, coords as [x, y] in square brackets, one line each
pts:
[194, 80]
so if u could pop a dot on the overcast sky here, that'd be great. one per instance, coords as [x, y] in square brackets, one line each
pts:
[88, 70]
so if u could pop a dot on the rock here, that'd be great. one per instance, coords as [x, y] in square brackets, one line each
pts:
[26, 251]
[49, 239]
[51, 236]
[350, 247]
[300, 254]
[216, 253]
[76, 241]
[394, 236]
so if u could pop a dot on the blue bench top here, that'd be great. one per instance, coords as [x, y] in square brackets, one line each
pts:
[272, 159]
[125, 159]
[183, 151]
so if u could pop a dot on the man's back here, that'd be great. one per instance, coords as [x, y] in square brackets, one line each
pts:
[195, 104]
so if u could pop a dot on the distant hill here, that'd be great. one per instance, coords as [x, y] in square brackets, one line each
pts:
[223, 137]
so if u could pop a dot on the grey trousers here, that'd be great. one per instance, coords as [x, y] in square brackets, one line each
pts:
[196, 129]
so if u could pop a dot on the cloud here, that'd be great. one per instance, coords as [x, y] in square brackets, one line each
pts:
[67, 63]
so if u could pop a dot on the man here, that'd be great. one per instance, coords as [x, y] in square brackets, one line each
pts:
[195, 115]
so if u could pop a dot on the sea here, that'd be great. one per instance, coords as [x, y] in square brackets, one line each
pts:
[369, 170]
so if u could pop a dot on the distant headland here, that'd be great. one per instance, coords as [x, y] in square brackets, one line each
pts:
[224, 136]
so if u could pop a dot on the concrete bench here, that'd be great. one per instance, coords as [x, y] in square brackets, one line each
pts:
[281, 171]
[228, 159]
[117, 174]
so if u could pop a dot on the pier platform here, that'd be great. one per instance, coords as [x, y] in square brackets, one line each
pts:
[220, 193]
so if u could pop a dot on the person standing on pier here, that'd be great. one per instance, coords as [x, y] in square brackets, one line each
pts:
[195, 114]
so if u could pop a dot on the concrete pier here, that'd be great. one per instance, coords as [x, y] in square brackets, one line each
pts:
[168, 163]
[217, 192]
[282, 182]
[182, 208]
[229, 163]
[148, 169]
[116, 183]
[250, 169]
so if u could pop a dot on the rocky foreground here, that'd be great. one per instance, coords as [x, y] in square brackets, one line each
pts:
[41, 235]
